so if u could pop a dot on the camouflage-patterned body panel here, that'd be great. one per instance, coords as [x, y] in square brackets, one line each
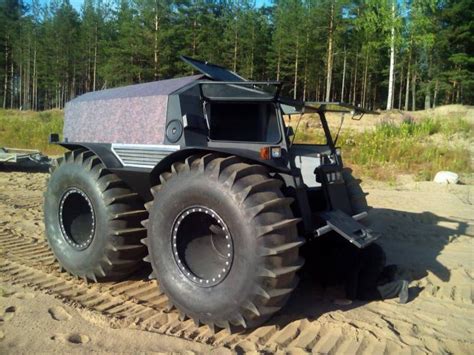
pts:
[134, 114]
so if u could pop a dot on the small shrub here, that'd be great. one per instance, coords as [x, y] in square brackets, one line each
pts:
[458, 125]
[393, 149]
[45, 116]
[30, 130]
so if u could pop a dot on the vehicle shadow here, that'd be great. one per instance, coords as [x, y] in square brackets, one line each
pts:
[413, 241]
[25, 167]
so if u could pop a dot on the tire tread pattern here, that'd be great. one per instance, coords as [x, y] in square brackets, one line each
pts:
[123, 252]
[260, 196]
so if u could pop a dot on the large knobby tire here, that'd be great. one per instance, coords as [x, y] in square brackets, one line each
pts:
[92, 219]
[223, 241]
[356, 195]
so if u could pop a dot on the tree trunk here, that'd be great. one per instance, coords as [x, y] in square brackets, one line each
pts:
[5, 81]
[305, 79]
[252, 52]
[366, 70]
[73, 86]
[413, 93]
[428, 85]
[458, 93]
[350, 86]
[20, 103]
[295, 84]
[279, 60]
[318, 88]
[155, 49]
[11, 83]
[354, 90]
[400, 92]
[369, 88]
[236, 49]
[375, 97]
[435, 96]
[88, 83]
[427, 97]
[94, 69]
[394, 87]
[26, 96]
[407, 92]
[34, 98]
[330, 50]
[343, 74]
[392, 60]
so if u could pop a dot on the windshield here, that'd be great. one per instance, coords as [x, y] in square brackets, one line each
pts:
[307, 129]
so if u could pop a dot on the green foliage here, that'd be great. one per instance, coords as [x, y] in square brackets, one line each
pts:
[51, 52]
[30, 130]
[409, 147]
[408, 129]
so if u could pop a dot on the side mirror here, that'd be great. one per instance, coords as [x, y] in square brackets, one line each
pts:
[290, 132]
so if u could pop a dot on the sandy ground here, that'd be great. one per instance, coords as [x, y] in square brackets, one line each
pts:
[427, 229]
[32, 321]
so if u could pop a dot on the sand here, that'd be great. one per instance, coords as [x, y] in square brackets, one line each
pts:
[36, 322]
[427, 229]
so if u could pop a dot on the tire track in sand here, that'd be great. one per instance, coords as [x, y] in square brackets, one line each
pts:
[25, 259]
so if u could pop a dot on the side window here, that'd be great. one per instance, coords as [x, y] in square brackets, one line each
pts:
[245, 122]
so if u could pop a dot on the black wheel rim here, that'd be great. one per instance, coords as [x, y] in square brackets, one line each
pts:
[202, 246]
[77, 218]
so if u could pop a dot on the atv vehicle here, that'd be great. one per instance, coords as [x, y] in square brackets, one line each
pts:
[229, 200]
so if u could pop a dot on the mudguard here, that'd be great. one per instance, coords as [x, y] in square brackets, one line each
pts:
[102, 150]
[180, 155]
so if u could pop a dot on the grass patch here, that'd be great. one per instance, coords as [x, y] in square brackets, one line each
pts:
[419, 147]
[30, 130]
[409, 147]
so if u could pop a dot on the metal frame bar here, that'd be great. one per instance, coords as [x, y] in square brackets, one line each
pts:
[270, 97]
[327, 228]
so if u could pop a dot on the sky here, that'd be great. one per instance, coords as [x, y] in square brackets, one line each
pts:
[78, 3]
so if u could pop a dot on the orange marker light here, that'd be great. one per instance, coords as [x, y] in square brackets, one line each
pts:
[265, 153]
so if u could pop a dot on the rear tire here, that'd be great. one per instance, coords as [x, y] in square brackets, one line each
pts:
[223, 242]
[92, 219]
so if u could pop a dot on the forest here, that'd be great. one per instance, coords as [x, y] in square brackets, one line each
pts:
[380, 54]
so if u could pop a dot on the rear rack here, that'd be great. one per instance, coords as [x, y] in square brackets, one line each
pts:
[348, 227]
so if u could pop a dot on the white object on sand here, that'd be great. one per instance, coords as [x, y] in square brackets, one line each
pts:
[446, 177]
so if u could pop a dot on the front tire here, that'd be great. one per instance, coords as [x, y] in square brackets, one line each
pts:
[222, 241]
[92, 219]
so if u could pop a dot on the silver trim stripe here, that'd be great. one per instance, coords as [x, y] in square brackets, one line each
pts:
[142, 155]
